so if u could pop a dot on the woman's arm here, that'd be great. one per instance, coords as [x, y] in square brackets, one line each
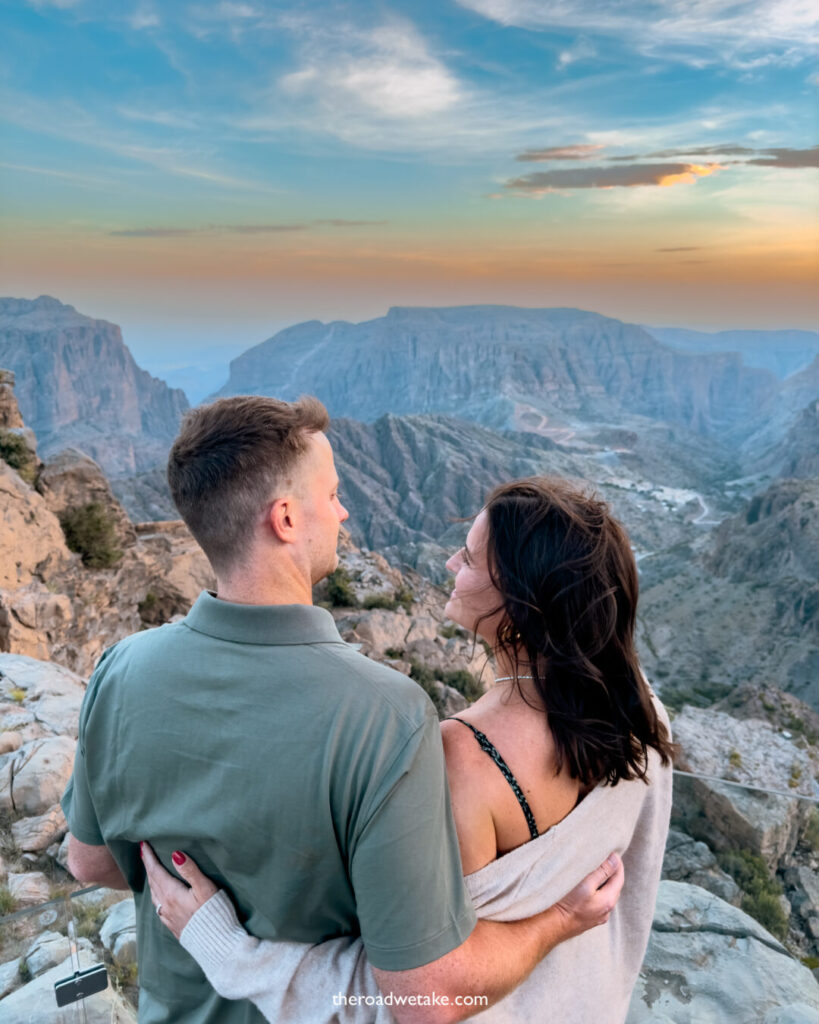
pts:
[333, 979]
[287, 981]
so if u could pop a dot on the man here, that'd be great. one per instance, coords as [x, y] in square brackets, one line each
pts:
[304, 778]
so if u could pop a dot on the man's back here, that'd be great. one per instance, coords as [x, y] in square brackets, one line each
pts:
[306, 779]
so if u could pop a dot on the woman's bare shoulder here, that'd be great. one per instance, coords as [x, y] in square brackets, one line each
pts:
[470, 807]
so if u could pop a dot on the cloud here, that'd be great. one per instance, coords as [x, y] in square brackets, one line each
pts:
[152, 232]
[142, 19]
[234, 10]
[239, 229]
[337, 222]
[775, 157]
[388, 70]
[210, 229]
[610, 177]
[578, 152]
[63, 5]
[583, 49]
[788, 158]
[680, 248]
[727, 149]
[161, 117]
[705, 32]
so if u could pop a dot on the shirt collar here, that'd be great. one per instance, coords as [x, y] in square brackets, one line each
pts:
[273, 624]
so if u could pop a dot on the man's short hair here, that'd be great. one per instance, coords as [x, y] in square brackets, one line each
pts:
[227, 463]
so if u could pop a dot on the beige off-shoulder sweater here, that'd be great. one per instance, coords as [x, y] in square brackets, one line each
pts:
[587, 978]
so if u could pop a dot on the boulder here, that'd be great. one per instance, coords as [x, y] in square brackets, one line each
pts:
[10, 741]
[687, 860]
[382, 630]
[61, 855]
[9, 976]
[29, 888]
[33, 835]
[34, 1003]
[71, 479]
[709, 961]
[746, 751]
[39, 774]
[452, 701]
[806, 885]
[31, 539]
[10, 417]
[47, 950]
[118, 933]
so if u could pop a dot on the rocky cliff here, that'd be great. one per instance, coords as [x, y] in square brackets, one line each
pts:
[781, 352]
[739, 605]
[407, 480]
[532, 369]
[60, 603]
[78, 385]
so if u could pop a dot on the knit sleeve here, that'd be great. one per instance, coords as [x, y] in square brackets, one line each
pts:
[289, 982]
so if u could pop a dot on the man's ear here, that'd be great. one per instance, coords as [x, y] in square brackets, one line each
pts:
[283, 519]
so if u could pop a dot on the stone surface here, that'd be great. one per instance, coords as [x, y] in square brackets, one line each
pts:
[32, 835]
[32, 540]
[9, 976]
[747, 751]
[805, 882]
[47, 950]
[29, 887]
[709, 962]
[39, 774]
[118, 933]
[52, 694]
[10, 741]
[34, 1003]
[687, 860]
[78, 385]
[72, 479]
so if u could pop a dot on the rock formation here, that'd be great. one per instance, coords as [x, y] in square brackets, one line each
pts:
[758, 570]
[781, 352]
[54, 606]
[78, 385]
[708, 961]
[503, 367]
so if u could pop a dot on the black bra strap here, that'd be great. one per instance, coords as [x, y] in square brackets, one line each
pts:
[489, 748]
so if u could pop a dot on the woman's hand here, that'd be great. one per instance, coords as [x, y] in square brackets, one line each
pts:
[176, 902]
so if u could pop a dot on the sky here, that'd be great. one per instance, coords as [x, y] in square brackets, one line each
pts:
[203, 174]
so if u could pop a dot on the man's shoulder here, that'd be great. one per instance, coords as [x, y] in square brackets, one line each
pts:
[135, 646]
[375, 686]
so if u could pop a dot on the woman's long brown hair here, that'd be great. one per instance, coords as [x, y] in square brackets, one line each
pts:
[568, 580]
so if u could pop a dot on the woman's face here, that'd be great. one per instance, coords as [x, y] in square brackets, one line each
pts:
[474, 595]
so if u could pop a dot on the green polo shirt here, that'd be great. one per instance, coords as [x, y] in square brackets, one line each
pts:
[302, 777]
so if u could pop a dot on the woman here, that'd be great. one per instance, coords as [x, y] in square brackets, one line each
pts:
[566, 757]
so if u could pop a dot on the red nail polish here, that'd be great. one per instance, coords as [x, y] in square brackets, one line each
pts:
[141, 853]
[178, 858]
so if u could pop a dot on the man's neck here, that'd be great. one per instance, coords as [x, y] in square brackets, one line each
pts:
[279, 586]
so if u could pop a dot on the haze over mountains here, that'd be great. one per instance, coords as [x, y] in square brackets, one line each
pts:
[433, 407]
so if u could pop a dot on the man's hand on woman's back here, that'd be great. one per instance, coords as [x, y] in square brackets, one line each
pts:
[591, 903]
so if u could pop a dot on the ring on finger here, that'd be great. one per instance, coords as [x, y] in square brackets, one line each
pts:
[159, 910]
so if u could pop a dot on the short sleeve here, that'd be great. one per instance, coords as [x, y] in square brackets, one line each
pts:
[405, 868]
[78, 806]
[77, 803]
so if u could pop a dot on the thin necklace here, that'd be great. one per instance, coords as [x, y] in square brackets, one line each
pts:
[505, 679]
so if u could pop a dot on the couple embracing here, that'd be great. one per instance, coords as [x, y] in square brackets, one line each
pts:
[304, 841]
